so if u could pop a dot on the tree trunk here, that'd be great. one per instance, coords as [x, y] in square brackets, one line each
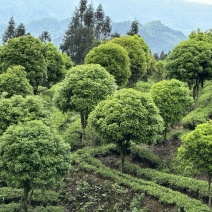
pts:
[164, 133]
[209, 190]
[26, 194]
[197, 86]
[202, 83]
[122, 157]
[196, 89]
[35, 89]
[83, 124]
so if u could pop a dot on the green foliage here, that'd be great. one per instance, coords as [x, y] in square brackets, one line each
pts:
[196, 150]
[20, 30]
[14, 82]
[86, 28]
[143, 153]
[31, 153]
[55, 64]
[9, 194]
[143, 87]
[48, 209]
[172, 98]
[83, 88]
[192, 186]
[136, 203]
[127, 115]
[201, 36]
[191, 62]
[160, 71]
[73, 135]
[134, 28]
[26, 51]
[164, 195]
[113, 58]
[89, 192]
[32, 156]
[68, 63]
[203, 108]
[10, 31]
[45, 37]
[11, 207]
[137, 56]
[146, 49]
[17, 207]
[120, 117]
[19, 109]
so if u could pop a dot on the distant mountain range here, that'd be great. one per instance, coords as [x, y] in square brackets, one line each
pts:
[177, 18]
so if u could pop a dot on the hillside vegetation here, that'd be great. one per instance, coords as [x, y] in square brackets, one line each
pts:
[105, 125]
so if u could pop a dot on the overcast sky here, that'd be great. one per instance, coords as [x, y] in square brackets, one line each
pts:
[201, 1]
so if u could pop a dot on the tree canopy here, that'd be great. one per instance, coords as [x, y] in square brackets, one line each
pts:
[45, 37]
[14, 82]
[128, 115]
[55, 64]
[20, 30]
[191, 62]
[26, 51]
[201, 36]
[172, 97]
[114, 59]
[32, 156]
[133, 28]
[83, 88]
[19, 109]
[197, 150]
[138, 64]
[12, 31]
[86, 28]
[202, 111]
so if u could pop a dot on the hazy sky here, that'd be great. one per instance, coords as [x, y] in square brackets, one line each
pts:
[201, 1]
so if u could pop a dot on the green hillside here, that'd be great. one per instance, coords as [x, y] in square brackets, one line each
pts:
[105, 125]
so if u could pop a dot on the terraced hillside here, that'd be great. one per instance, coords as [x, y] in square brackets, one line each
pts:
[96, 184]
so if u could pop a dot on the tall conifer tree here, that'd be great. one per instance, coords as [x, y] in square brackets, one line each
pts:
[134, 28]
[86, 28]
[10, 31]
[20, 30]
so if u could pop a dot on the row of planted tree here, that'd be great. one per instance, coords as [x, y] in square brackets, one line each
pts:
[100, 90]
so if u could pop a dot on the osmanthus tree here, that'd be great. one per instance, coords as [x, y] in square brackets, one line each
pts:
[82, 89]
[191, 62]
[173, 99]
[19, 109]
[128, 115]
[14, 82]
[67, 62]
[32, 157]
[146, 49]
[201, 36]
[196, 150]
[55, 64]
[26, 51]
[138, 63]
[114, 59]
